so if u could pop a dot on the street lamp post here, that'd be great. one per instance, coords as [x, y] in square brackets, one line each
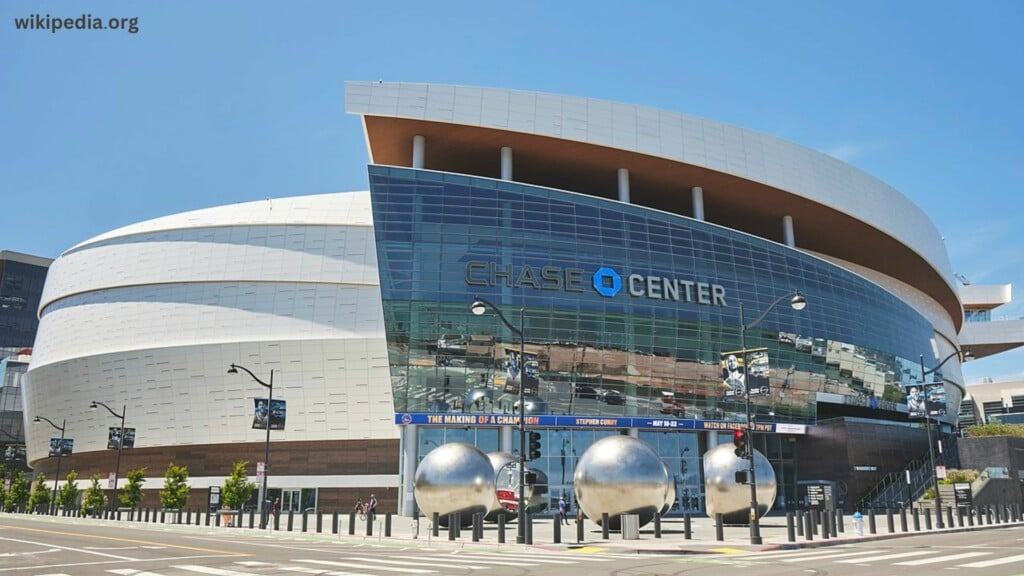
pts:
[478, 307]
[928, 427]
[266, 444]
[120, 443]
[60, 449]
[797, 302]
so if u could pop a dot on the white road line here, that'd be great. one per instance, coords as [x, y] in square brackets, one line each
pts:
[942, 559]
[886, 557]
[81, 550]
[132, 572]
[818, 555]
[995, 562]
[434, 561]
[209, 570]
[545, 555]
[299, 569]
[467, 557]
[367, 567]
[460, 561]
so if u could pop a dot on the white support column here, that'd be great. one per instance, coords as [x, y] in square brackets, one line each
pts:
[624, 185]
[698, 202]
[787, 231]
[506, 163]
[410, 446]
[505, 439]
[419, 149]
[712, 439]
[634, 432]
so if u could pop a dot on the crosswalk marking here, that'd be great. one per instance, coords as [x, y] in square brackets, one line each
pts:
[298, 569]
[886, 557]
[572, 557]
[818, 555]
[994, 562]
[941, 559]
[368, 567]
[211, 570]
[434, 562]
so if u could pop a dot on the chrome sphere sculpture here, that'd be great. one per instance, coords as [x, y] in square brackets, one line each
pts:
[454, 477]
[620, 475]
[724, 496]
[670, 495]
[535, 495]
[498, 461]
[478, 399]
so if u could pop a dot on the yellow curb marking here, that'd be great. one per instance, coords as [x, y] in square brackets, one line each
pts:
[588, 549]
[728, 550]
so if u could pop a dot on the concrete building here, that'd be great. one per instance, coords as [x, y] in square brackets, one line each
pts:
[624, 246]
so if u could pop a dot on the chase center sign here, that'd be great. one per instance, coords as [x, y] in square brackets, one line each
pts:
[605, 281]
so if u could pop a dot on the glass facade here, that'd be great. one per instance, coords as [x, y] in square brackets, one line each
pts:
[618, 311]
[21, 286]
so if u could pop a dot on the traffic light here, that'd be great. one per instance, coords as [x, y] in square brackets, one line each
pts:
[739, 440]
[534, 445]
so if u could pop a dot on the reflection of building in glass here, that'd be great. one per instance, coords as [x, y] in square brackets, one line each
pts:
[626, 235]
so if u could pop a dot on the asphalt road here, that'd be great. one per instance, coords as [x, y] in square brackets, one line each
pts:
[34, 545]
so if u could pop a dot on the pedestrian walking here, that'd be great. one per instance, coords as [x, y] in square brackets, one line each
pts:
[373, 507]
[563, 508]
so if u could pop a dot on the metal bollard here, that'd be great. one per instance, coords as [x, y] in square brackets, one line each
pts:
[832, 523]
[501, 528]
[840, 524]
[352, 524]
[889, 520]
[291, 520]
[903, 519]
[216, 519]
[981, 516]
[387, 525]
[476, 527]
[147, 516]
[451, 527]
[319, 521]
[305, 520]
[825, 526]
[529, 528]
[188, 516]
[960, 516]
[579, 526]
[917, 519]
[334, 522]
[252, 518]
[604, 525]
[657, 525]
[969, 513]
[949, 517]
[557, 529]
[871, 521]
[799, 522]
[687, 533]
[369, 524]
[790, 529]
[435, 521]
[809, 525]
[719, 527]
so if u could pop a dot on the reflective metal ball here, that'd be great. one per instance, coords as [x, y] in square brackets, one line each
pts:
[724, 496]
[454, 477]
[620, 475]
[498, 461]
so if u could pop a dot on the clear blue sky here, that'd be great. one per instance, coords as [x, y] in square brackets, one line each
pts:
[212, 103]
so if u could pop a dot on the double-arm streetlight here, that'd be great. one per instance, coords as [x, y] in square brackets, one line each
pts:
[964, 355]
[478, 308]
[266, 445]
[60, 449]
[797, 302]
[120, 443]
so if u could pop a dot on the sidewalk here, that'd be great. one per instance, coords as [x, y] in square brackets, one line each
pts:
[736, 539]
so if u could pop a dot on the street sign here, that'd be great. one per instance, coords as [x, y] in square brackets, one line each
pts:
[940, 471]
[816, 496]
[962, 493]
[110, 481]
[260, 469]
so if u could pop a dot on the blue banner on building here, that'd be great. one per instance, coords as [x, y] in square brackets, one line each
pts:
[602, 422]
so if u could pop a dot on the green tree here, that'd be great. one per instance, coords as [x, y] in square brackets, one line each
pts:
[175, 492]
[39, 501]
[237, 489]
[983, 430]
[3, 491]
[131, 494]
[18, 493]
[94, 500]
[67, 496]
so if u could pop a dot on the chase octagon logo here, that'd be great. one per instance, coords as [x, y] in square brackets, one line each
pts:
[607, 282]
